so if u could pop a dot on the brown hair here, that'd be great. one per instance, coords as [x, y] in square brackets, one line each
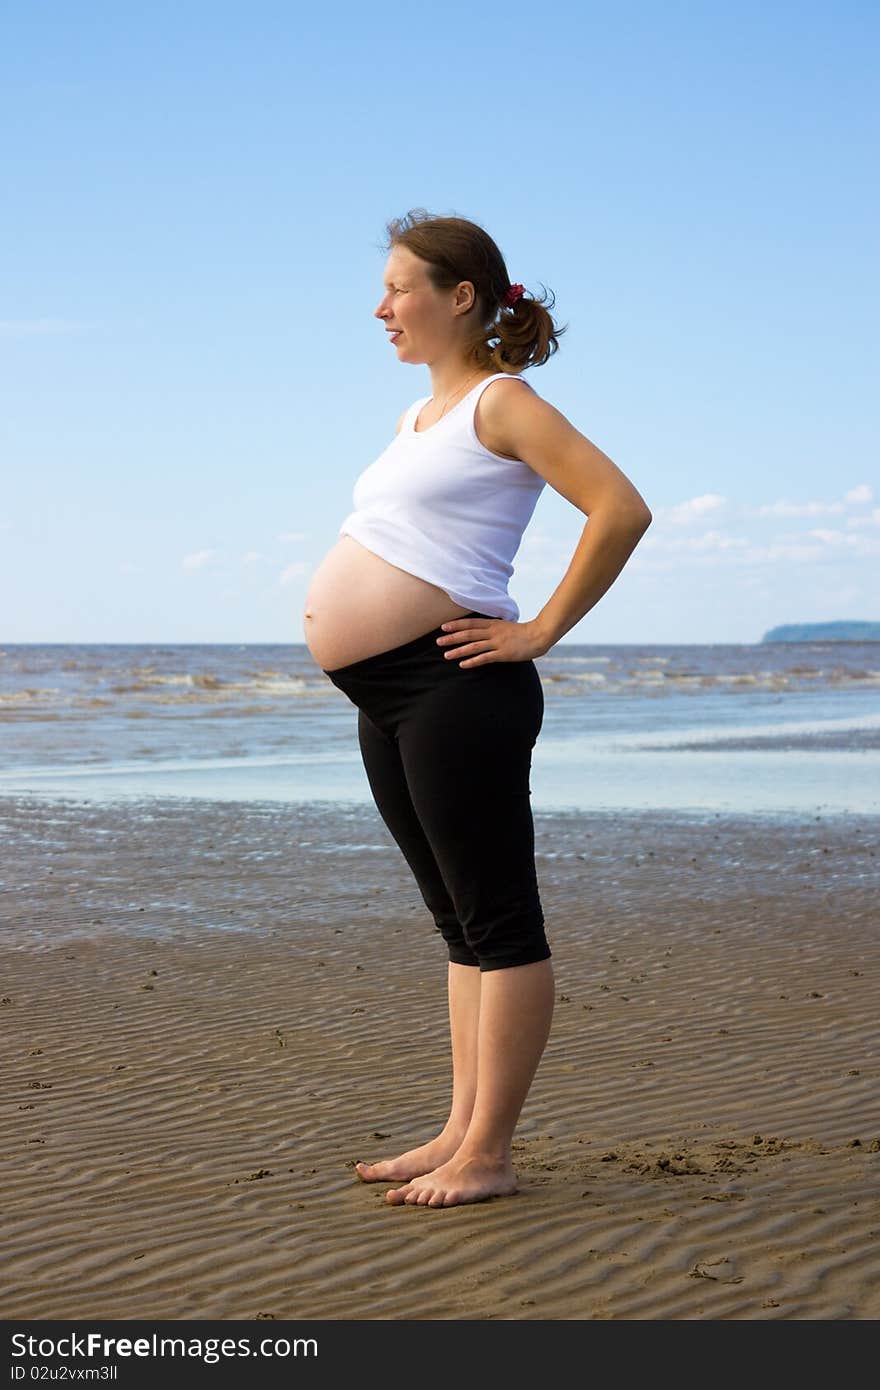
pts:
[504, 339]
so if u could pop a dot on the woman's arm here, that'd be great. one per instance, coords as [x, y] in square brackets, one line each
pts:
[531, 429]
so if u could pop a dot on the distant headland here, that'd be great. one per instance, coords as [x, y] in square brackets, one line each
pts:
[824, 632]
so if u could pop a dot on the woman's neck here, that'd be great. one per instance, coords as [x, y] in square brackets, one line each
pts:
[449, 384]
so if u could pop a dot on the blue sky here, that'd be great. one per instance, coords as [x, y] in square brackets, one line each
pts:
[190, 257]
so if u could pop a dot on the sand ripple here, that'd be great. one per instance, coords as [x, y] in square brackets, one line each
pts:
[184, 1101]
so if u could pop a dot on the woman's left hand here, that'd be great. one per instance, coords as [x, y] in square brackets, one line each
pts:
[481, 640]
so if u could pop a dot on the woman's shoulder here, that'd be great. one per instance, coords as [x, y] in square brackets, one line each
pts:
[501, 395]
[493, 412]
[499, 385]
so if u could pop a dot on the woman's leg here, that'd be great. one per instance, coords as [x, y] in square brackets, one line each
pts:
[467, 757]
[464, 1017]
[516, 1010]
[388, 784]
[464, 1026]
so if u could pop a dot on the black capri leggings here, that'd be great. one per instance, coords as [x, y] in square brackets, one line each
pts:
[447, 752]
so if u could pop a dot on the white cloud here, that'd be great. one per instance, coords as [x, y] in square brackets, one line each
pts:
[716, 540]
[38, 328]
[294, 571]
[862, 493]
[859, 522]
[708, 541]
[694, 509]
[835, 537]
[714, 547]
[856, 496]
[823, 546]
[198, 559]
[800, 509]
[250, 557]
[791, 551]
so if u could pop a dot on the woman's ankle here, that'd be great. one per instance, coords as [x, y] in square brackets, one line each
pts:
[456, 1128]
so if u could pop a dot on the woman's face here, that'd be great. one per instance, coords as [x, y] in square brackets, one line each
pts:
[424, 319]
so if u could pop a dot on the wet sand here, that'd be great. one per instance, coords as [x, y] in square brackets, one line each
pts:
[210, 1011]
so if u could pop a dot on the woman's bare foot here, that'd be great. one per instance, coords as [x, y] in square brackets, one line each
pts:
[414, 1162]
[461, 1179]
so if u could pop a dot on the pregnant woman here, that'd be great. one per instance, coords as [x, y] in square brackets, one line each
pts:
[409, 615]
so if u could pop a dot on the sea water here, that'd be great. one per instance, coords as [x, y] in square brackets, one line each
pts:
[765, 727]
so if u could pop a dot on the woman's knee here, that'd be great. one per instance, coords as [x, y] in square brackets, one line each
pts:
[507, 938]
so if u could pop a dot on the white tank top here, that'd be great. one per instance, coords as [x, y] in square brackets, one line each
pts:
[442, 506]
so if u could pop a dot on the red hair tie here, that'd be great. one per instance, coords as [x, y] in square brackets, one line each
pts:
[514, 294]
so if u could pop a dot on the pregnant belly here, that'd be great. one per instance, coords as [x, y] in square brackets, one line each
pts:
[359, 605]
